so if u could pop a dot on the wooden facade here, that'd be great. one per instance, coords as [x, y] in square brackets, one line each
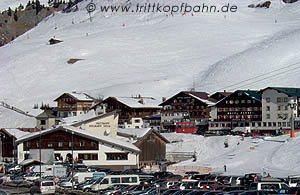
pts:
[153, 148]
[61, 140]
[241, 105]
[8, 146]
[69, 105]
[126, 112]
[185, 106]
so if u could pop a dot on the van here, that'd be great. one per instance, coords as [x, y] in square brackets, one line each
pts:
[79, 177]
[43, 187]
[269, 186]
[293, 180]
[110, 180]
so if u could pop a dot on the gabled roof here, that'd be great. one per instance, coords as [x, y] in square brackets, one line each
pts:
[46, 114]
[138, 133]
[137, 102]
[292, 92]
[75, 123]
[251, 93]
[84, 133]
[77, 96]
[201, 96]
[15, 132]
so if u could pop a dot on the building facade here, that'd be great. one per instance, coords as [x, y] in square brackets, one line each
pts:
[240, 109]
[73, 104]
[91, 148]
[279, 104]
[151, 143]
[131, 110]
[185, 106]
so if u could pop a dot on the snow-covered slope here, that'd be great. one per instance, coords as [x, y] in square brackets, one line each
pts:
[5, 4]
[152, 54]
[278, 156]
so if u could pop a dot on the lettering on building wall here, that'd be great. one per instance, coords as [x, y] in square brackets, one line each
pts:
[100, 124]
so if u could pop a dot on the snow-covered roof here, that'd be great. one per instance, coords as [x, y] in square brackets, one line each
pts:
[136, 132]
[16, 133]
[29, 161]
[206, 101]
[79, 118]
[106, 139]
[78, 96]
[134, 102]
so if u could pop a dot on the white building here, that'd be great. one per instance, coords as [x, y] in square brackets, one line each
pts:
[91, 148]
[276, 107]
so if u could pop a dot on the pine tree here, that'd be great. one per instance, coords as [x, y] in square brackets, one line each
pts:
[38, 7]
[15, 15]
[9, 12]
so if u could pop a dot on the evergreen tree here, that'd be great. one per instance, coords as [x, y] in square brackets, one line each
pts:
[9, 12]
[15, 15]
[37, 7]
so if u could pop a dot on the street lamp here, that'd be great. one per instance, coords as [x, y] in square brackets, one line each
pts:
[292, 106]
[72, 159]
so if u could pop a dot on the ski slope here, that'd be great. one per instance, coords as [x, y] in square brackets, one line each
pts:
[152, 54]
[278, 156]
[5, 4]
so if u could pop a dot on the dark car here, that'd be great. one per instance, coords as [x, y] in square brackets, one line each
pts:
[162, 174]
[80, 167]
[174, 178]
[169, 192]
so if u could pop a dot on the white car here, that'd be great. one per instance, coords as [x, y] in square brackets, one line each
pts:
[15, 168]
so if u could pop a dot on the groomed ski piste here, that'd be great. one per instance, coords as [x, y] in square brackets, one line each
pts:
[277, 156]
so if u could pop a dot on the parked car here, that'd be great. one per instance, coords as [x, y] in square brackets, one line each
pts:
[269, 186]
[43, 187]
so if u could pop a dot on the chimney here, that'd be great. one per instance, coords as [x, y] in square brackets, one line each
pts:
[141, 101]
[163, 99]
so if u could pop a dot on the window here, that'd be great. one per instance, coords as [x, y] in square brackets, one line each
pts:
[279, 107]
[116, 156]
[70, 144]
[38, 145]
[278, 99]
[115, 180]
[274, 124]
[249, 101]
[88, 156]
[60, 144]
[50, 145]
[129, 179]
[81, 144]
[74, 113]
[104, 181]
[93, 144]
[137, 120]
[268, 108]
[28, 144]
[268, 116]
[268, 99]
[285, 99]
[264, 124]
[269, 124]
[286, 107]
[26, 156]
[243, 101]
[43, 122]
[284, 124]
[279, 124]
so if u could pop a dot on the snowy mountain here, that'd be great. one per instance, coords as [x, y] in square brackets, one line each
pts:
[275, 155]
[152, 54]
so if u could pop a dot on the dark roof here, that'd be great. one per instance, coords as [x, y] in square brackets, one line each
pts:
[224, 93]
[251, 93]
[201, 96]
[293, 92]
